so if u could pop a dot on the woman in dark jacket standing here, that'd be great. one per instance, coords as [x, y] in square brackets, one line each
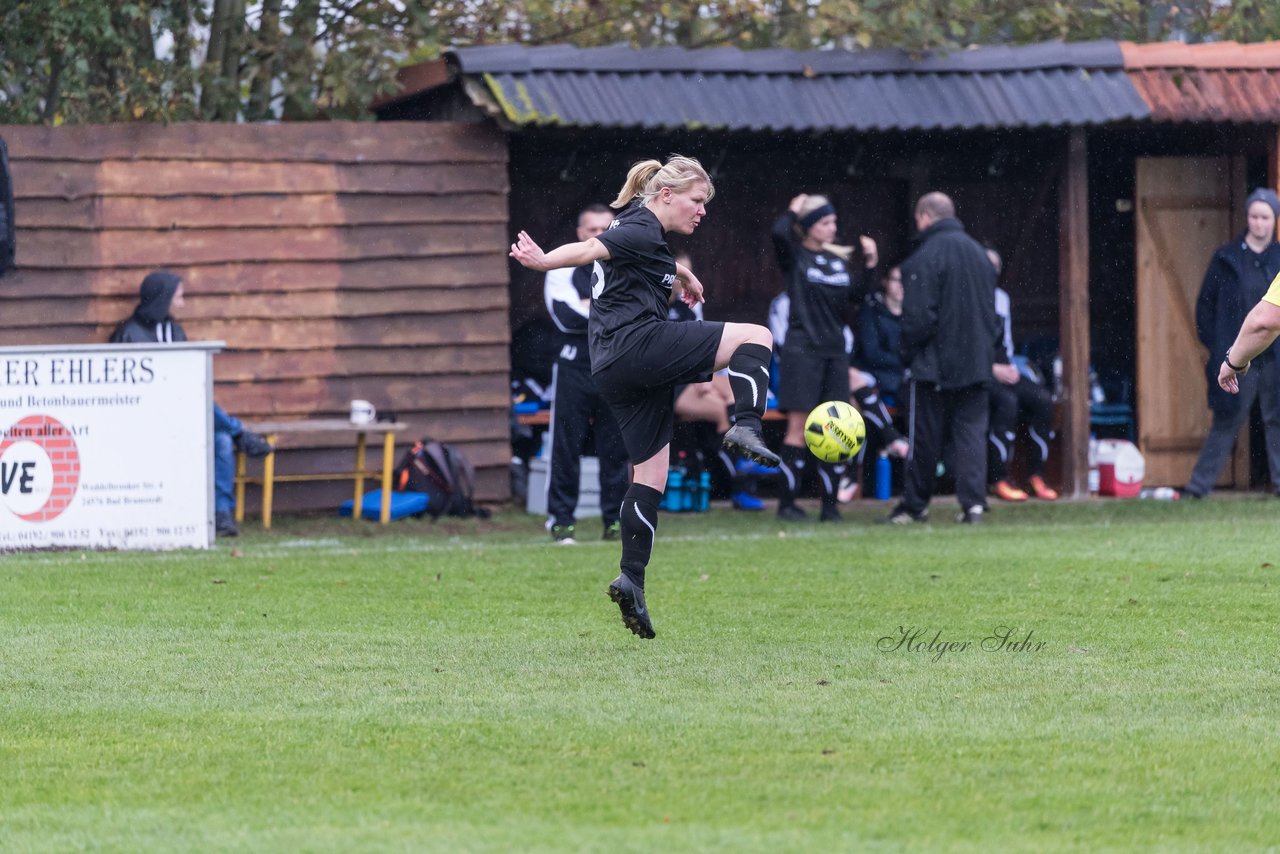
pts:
[1238, 276]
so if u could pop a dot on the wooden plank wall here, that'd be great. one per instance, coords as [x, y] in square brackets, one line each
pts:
[337, 260]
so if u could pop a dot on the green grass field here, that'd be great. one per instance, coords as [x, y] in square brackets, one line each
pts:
[334, 686]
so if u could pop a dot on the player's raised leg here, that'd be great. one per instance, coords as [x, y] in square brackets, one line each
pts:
[746, 348]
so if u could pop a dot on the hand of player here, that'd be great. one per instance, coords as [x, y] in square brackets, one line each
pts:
[797, 203]
[528, 253]
[1229, 380]
[870, 254]
[690, 289]
[1007, 374]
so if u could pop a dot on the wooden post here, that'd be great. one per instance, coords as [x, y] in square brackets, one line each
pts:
[1273, 164]
[1073, 317]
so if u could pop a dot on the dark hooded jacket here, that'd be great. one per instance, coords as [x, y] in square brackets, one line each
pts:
[150, 322]
[879, 340]
[949, 327]
[1222, 305]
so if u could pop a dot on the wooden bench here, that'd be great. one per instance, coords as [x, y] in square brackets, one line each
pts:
[272, 430]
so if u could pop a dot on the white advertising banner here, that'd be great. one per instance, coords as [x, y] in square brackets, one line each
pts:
[106, 446]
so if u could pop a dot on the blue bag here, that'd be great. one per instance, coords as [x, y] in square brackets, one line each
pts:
[402, 504]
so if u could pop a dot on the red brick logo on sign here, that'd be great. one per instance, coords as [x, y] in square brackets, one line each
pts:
[39, 468]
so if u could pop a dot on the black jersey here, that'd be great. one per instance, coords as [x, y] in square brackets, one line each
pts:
[636, 286]
[820, 286]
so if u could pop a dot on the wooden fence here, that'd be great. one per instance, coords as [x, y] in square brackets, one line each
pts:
[337, 260]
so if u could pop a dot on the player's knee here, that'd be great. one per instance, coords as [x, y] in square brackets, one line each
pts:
[757, 334]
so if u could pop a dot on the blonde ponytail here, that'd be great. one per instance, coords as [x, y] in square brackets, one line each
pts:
[844, 253]
[637, 177]
[648, 177]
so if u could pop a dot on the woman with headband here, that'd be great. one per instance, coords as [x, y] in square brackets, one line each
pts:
[814, 358]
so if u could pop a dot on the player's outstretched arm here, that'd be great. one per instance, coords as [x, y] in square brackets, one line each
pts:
[1260, 328]
[529, 254]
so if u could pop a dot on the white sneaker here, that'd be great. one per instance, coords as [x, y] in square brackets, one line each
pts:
[847, 490]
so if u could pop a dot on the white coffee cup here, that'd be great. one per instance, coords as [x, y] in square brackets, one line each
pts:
[362, 412]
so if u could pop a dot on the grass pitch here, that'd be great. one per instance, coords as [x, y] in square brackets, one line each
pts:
[1071, 677]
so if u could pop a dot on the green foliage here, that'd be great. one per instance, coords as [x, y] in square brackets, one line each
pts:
[228, 60]
[466, 686]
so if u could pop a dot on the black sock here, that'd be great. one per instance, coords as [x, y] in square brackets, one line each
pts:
[794, 463]
[830, 477]
[877, 416]
[639, 516]
[726, 460]
[749, 379]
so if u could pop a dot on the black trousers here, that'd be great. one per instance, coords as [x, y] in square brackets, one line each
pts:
[1033, 403]
[576, 404]
[936, 415]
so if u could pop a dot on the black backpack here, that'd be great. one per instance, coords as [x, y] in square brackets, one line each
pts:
[444, 474]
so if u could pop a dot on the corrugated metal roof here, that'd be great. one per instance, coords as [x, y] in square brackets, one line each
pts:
[1221, 82]
[518, 59]
[1044, 85]
[669, 100]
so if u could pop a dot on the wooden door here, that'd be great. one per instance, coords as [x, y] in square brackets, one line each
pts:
[1186, 207]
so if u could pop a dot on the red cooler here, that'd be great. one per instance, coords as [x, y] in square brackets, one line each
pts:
[1121, 468]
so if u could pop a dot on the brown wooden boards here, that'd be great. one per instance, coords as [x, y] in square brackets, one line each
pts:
[337, 260]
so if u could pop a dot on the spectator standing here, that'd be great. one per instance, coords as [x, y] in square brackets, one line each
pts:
[577, 402]
[814, 356]
[1237, 278]
[1015, 395]
[949, 335]
[151, 323]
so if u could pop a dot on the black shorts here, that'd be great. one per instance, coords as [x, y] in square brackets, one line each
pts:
[640, 386]
[807, 379]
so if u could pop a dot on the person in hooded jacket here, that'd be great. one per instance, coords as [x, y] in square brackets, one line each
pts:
[153, 323]
[1236, 280]
[949, 334]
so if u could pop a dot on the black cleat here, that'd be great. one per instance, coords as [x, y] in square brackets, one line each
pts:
[612, 531]
[830, 514]
[749, 443]
[630, 599]
[902, 516]
[792, 513]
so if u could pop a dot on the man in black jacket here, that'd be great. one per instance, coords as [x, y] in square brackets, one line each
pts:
[949, 331]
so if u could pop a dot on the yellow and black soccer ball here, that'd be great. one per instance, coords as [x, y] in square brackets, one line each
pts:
[834, 431]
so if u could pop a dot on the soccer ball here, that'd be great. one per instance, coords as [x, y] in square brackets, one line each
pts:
[834, 431]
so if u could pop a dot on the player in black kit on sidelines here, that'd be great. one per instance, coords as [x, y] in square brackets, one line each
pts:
[638, 356]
